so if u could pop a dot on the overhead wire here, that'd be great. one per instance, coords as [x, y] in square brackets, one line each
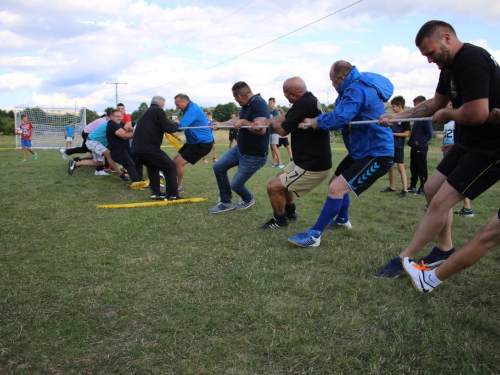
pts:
[248, 51]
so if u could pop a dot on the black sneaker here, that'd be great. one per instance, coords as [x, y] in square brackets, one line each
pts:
[172, 198]
[464, 212]
[412, 189]
[388, 190]
[292, 217]
[273, 224]
[158, 197]
[403, 194]
[77, 158]
[436, 257]
[71, 167]
[393, 269]
[123, 177]
[419, 192]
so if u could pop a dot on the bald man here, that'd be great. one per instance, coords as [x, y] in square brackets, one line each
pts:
[311, 149]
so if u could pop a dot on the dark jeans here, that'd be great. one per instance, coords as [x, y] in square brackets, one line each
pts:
[123, 157]
[138, 165]
[155, 162]
[418, 166]
[247, 166]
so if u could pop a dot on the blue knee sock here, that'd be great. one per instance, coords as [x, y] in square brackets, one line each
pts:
[329, 211]
[343, 216]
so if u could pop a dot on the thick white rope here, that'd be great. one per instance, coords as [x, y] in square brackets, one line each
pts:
[351, 123]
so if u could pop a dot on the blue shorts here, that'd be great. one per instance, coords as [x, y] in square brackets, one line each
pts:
[26, 143]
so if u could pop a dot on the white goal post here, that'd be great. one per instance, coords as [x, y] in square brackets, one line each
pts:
[49, 125]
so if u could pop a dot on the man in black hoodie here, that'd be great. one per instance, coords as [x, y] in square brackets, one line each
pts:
[148, 137]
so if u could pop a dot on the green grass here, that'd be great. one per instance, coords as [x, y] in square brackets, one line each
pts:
[175, 290]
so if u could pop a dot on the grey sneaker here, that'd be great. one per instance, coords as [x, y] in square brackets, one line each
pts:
[63, 153]
[242, 205]
[222, 207]
[280, 166]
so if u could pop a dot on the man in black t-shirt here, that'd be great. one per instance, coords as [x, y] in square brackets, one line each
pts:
[118, 144]
[470, 79]
[312, 155]
[249, 155]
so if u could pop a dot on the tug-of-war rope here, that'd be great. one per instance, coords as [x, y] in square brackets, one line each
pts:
[150, 204]
[351, 123]
[172, 138]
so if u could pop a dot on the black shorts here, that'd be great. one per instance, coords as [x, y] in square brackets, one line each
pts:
[194, 152]
[399, 155]
[283, 141]
[469, 173]
[233, 134]
[361, 174]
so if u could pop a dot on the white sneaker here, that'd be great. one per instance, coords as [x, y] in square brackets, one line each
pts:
[101, 173]
[416, 274]
[336, 224]
[63, 153]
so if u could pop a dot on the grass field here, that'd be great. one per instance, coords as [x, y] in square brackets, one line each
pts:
[175, 290]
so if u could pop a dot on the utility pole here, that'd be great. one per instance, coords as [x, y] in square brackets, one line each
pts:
[116, 88]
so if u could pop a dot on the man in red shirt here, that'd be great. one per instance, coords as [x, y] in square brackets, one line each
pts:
[126, 117]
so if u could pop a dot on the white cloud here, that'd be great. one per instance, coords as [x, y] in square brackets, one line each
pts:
[72, 47]
[19, 80]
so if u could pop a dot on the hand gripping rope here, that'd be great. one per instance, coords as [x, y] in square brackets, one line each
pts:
[351, 123]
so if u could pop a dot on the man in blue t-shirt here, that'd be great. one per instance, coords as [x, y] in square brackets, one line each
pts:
[198, 141]
[249, 155]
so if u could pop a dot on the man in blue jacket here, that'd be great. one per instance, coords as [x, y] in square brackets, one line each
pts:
[370, 146]
[198, 141]
[421, 134]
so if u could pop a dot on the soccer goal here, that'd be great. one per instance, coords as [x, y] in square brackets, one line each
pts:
[49, 125]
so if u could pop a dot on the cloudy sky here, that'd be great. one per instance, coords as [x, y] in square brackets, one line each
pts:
[61, 53]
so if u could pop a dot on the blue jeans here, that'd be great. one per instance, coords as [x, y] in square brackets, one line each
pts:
[247, 166]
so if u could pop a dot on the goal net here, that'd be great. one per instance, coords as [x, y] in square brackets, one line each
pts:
[49, 125]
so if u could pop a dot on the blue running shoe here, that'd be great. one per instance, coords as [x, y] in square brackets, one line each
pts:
[311, 238]
[435, 257]
[393, 269]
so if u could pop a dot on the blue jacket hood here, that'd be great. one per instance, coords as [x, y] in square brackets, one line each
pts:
[381, 84]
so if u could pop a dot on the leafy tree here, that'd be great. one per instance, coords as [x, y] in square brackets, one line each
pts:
[6, 122]
[284, 108]
[91, 115]
[139, 111]
[222, 112]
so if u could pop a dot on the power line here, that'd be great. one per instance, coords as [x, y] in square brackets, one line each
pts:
[229, 15]
[251, 50]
